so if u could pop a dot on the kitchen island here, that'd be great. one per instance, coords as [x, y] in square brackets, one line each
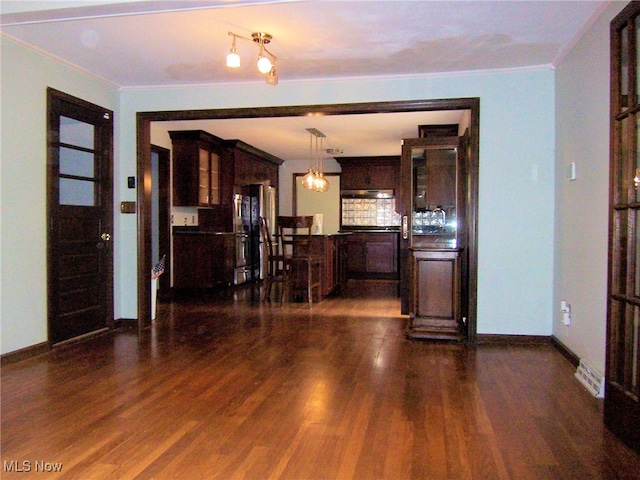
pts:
[331, 249]
[205, 260]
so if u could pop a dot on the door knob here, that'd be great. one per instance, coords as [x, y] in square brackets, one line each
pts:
[405, 227]
[105, 237]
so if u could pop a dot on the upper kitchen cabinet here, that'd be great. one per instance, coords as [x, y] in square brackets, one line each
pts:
[251, 165]
[196, 168]
[369, 173]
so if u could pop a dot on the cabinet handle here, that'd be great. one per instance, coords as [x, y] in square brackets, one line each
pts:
[405, 227]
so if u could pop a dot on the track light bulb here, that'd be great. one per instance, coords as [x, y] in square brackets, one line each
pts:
[264, 64]
[233, 59]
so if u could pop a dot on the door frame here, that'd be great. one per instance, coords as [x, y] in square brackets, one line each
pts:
[143, 170]
[164, 220]
[106, 202]
[621, 410]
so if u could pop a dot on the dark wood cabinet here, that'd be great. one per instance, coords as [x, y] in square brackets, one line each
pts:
[202, 260]
[369, 173]
[435, 296]
[334, 270]
[196, 168]
[208, 171]
[250, 165]
[372, 255]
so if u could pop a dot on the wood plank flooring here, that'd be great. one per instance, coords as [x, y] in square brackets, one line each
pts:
[226, 387]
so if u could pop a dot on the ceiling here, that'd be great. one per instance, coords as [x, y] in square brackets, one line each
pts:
[158, 43]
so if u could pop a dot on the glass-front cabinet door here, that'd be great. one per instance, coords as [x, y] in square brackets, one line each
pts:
[433, 196]
[432, 244]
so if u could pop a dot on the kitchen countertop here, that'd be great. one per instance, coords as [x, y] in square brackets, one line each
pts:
[196, 231]
[373, 230]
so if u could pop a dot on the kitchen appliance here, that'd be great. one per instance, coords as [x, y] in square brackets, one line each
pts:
[242, 231]
[263, 198]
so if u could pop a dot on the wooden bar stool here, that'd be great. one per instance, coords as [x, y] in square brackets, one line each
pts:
[300, 264]
[275, 261]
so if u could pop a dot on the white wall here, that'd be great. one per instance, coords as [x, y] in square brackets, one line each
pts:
[287, 170]
[582, 136]
[516, 175]
[25, 76]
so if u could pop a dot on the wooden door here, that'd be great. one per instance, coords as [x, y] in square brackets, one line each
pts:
[79, 192]
[622, 376]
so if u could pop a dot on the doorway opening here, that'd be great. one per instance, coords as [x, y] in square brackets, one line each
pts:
[144, 120]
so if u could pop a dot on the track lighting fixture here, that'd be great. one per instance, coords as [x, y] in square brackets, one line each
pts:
[266, 59]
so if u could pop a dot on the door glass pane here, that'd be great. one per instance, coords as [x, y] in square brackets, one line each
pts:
[636, 260]
[77, 192]
[434, 216]
[637, 60]
[215, 179]
[616, 337]
[203, 191]
[622, 164]
[636, 172]
[624, 67]
[634, 353]
[76, 162]
[620, 248]
[77, 133]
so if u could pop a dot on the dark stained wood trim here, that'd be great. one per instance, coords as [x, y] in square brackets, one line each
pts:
[566, 353]
[305, 110]
[513, 339]
[24, 353]
[144, 120]
[164, 212]
[143, 172]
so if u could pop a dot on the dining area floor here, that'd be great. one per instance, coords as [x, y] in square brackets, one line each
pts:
[227, 386]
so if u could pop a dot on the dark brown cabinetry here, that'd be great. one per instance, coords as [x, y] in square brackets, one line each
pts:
[334, 271]
[435, 296]
[207, 172]
[369, 173]
[241, 165]
[372, 255]
[202, 260]
[250, 165]
[434, 253]
[196, 168]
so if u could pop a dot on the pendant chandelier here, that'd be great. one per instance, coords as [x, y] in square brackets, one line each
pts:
[266, 59]
[314, 179]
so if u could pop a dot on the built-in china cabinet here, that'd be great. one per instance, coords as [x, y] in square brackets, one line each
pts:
[433, 237]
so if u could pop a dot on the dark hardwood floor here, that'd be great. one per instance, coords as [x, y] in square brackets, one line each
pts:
[226, 387]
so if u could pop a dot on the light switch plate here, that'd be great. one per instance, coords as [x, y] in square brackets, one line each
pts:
[127, 207]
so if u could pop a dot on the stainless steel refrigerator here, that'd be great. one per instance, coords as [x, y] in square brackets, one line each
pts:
[263, 204]
[242, 231]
